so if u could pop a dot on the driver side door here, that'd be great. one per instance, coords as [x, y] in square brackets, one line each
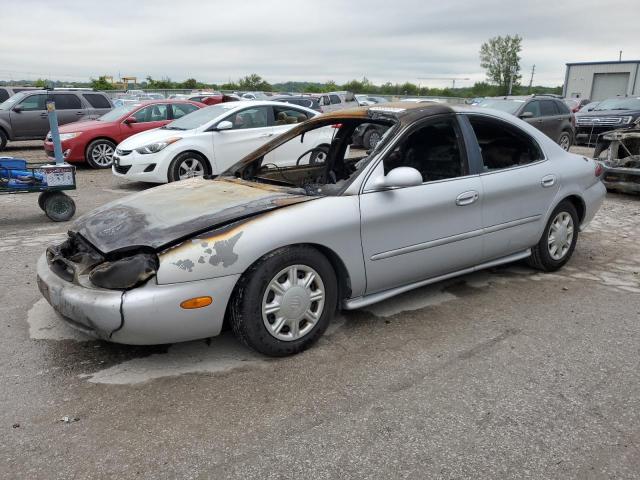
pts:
[414, 233]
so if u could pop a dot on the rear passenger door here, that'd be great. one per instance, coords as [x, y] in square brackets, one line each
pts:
[69, 108]
[551, 119]
[99, 103]
[518, 183]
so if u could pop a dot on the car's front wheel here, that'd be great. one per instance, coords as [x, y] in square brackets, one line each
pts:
[188, 165]
[558, 240]
[371, 138]
[285, 301]
[100, 153]
[565, 140]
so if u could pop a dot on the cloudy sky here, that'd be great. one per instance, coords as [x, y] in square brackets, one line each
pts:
[384, 40]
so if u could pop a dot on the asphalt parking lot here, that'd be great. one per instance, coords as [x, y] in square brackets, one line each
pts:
[505, 373]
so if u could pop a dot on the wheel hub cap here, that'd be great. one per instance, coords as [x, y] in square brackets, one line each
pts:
[293, 302]
[560, 236]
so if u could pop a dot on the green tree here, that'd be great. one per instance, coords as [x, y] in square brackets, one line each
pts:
[254, 82]
[190, 83]
[499, 56]
[101, 83]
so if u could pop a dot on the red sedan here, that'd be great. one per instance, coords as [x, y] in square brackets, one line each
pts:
[95, 141]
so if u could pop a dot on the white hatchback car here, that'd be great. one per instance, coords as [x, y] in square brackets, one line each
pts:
[210, 140]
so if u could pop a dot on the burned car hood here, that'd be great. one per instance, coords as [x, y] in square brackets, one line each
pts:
[163, 215]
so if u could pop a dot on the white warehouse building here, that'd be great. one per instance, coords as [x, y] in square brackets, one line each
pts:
[600, 80]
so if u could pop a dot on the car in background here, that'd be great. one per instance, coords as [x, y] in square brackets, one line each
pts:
[589, 106]
[423, 100]
[24, 115]
[275, 247]
[255, 96]
[209, 141]
[474, 101]
[332, 101]
[547, 113]
[213, 98]
[368, 100]
[94, 141]
[609, 114]
[575, 104]
[6, 92]
[302, 100]
[151, 96]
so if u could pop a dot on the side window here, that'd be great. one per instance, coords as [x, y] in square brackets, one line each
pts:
[562, 108]
[3, 94]
[33, 103]
[67, 101]
[503, 145]
[284, 115]
[256, 117]
[335, 99]
[533, 107]
[433, 149]
[182, 109]
[152, 113]
[96, 100]
[548, 108]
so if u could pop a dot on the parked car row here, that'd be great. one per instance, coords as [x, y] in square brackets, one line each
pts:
[610, 114]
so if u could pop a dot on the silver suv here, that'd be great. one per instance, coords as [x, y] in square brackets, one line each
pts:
[24, 116]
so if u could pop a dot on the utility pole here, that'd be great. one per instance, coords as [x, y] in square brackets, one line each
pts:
[512, 72]
[620, 56]
[533, 70]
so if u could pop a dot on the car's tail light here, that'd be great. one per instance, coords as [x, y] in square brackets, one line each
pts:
[598, 171]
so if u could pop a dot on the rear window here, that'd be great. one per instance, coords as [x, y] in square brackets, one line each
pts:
[547, 108]
[67, 101]
[334, 99]
[562, 108]
[96, 100]
[3, 94]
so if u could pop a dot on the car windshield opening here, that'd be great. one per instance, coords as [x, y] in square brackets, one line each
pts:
[11, 101]
[199, 117]
[618, 104]
[319, 159]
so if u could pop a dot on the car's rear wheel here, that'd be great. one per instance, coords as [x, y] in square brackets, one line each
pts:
[558, 240]
[285, 301]
[565, 141]
[371, 138]
[3, 139]
[59, 207]
[100, 153]
[188, 165]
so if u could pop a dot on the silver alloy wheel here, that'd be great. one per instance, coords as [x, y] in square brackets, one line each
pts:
[374, 138]
[102, 154]
[293, 302]
[565, 141]
[189, 168]
[560, 235]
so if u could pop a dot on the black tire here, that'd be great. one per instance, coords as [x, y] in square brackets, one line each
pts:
[59, 207]
[174, 168]
[3, 140]
[565, 139]
[371, 138]
[246, 305]
[540, 256]
[97, 151]
[42, 198]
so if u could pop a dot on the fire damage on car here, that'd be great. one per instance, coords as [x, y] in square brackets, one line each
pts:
[112, 252]
[619, 151]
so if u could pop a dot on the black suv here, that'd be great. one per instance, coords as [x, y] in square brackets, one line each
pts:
[547, 113]
[610, 114]
[24, 115]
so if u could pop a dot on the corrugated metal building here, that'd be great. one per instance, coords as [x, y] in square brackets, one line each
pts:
[600, 80]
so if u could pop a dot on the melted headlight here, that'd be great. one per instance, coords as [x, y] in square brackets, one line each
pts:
[125, 273]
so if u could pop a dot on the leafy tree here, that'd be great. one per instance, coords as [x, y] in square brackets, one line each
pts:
[499, 56]
[101, 83]
[330, 86]
[190, 83]
[254, 82]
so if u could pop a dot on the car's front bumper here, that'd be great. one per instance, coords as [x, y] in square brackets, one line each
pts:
[626, 180]
[147, 315]
[141, 168]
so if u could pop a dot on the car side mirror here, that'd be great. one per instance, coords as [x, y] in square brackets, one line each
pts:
[17, 109]
[399, 177]
[525, 115]
[224, 125]
[130, 120]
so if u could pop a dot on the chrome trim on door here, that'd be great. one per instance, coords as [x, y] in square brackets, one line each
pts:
[454, 238]
[467, 198]
[548, 180]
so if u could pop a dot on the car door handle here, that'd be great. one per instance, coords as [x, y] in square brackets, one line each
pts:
[43, 114]
[267, 135]
[467, 198]
[548, 181]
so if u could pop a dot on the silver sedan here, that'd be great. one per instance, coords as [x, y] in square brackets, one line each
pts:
[279, 242]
